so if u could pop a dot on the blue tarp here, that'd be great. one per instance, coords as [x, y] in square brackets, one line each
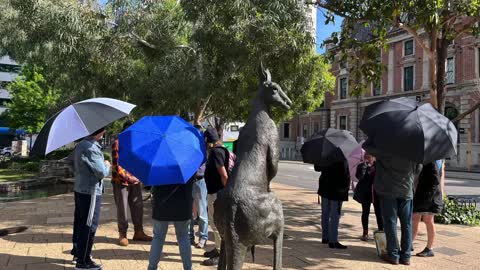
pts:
[11, 131]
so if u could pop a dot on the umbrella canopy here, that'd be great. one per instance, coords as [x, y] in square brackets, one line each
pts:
[404, 128]
[328, 146]
[77, 121]
[161, 150]
[355, 158]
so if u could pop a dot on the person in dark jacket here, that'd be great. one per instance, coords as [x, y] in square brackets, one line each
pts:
[366, 174]
[171, 204]
[428, 201]
[333, 187]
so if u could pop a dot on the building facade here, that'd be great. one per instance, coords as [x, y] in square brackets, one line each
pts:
[406, 74]
[8, 71]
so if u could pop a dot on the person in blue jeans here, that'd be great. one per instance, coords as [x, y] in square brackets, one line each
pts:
[171, 204]
[394, 180]
[200, 198]
[333, 187]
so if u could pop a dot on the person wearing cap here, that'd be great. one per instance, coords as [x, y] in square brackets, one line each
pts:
[127, 193]
[90, 168]
[216, 177]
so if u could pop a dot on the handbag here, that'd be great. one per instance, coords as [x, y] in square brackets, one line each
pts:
[380, 242]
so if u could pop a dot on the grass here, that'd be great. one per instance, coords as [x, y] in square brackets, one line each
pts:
[14, 175]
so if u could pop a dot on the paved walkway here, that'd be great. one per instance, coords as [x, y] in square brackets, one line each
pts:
[46, 244]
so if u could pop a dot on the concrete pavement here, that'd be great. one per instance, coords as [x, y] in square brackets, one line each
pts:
[46, 244]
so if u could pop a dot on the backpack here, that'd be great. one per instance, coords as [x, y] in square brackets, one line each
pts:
[214, 185]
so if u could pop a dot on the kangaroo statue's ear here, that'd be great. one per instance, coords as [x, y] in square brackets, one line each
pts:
[264, 73]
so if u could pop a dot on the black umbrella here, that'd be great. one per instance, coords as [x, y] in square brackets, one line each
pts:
[406, 129]
[328, 146]
[77, 121]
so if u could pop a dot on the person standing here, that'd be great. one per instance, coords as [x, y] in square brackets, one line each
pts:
[394, 177]
[90, 169]
[333, 187]
[366, 175]
[216, 177]
[428, 201]
[171, 204]
[127, 193]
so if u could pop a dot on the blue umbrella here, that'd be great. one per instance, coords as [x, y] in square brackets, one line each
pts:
[161, 150]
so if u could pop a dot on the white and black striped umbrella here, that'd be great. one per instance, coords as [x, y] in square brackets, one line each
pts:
[77, 121]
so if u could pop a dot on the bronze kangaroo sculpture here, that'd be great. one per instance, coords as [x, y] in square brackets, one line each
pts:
[246, 211]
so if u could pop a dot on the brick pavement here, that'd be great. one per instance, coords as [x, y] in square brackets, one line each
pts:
[46, 244]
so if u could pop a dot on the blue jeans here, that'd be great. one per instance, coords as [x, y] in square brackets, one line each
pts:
[391, 209]
[330, 219]
[200, 196]
[159, 233]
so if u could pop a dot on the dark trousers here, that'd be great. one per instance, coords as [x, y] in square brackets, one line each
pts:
[366, 214]
[85, 223]
[128, 197]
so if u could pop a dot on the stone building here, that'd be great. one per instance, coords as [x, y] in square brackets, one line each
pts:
[406, 74]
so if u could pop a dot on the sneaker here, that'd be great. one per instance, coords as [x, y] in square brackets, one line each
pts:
[91, 265]
[337, 245]
[74, 260]
[201, 243]
[426, 253]
[211, 262]
[212, 253]
[389, 259]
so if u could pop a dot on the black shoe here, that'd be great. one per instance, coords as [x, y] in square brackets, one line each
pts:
[211, 262]
[405, 261]
[389, 259]
[212, 253]
[426, 253]
[325, 241]
[91, 265]
[337, 245]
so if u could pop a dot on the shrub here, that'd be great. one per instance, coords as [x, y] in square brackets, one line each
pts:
[455, 212]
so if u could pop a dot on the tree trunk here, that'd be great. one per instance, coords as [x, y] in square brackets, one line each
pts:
[200, 110]
[442, 50]
[467, 112]
[433, 69]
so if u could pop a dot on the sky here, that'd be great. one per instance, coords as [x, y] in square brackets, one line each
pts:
[324, 31]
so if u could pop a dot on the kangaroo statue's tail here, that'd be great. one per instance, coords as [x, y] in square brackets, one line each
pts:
[8, 231]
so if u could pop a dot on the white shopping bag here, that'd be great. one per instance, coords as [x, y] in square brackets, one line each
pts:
[380, 242]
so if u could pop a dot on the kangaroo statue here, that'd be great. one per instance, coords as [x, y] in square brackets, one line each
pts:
[246, 211]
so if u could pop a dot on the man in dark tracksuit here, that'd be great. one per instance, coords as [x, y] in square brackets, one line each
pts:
[90, 168]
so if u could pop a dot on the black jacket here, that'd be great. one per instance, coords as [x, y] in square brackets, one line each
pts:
[428, 194]
[172, 202]
[334, 181]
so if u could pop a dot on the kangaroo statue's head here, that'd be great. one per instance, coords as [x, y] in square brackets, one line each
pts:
[271, 92]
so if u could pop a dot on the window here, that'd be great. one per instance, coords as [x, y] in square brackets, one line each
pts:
[376, 89]
[10, 68]
[343, 88]
[343, 64]
[450, 70]
[408, 47]
[305, 130]
[234, 128]
[342, 122]
[408, 78]
[316, 127]
[286, 130]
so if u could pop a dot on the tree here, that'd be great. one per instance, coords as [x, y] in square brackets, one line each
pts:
[31, 100]
[168, 57]
[432, 23]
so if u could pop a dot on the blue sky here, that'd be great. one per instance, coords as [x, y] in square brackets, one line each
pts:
[324, 31]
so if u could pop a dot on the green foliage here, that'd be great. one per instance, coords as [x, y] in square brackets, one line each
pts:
[32, 100]
[456, 213]
[166, 57]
